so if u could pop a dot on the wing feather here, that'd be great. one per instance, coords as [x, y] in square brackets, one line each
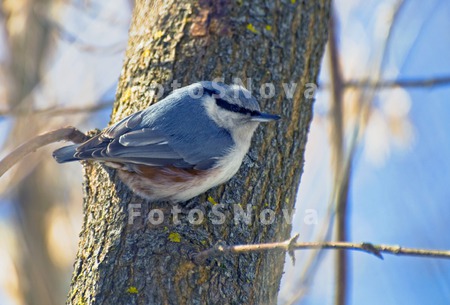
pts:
[167, 133]
[143, 137]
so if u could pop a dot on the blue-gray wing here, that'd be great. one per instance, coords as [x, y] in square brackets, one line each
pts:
[174, 132]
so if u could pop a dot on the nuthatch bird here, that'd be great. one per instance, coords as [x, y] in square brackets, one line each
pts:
[192, 140]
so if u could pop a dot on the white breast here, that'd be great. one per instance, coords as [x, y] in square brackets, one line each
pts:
[165, 189]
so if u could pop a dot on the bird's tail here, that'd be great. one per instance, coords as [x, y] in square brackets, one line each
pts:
[66, 154]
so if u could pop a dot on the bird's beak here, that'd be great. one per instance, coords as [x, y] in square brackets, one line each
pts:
[264, 117]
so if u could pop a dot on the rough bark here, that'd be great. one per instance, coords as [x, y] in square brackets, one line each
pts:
[188, 41]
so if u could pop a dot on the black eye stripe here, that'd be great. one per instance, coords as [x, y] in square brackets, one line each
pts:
[211, 91]
[230, 107]
[234, 108]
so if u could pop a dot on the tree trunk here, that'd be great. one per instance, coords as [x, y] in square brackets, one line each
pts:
[124, 258]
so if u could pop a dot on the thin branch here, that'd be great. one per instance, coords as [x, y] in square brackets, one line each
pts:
[289, 245]
[342, 186]
[337, 139]
[396, 83]
[340, 190]
[54, 111]
[63, 134]
[405, 83]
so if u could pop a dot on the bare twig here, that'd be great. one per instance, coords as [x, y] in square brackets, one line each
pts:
[288, 245]
[63, 134]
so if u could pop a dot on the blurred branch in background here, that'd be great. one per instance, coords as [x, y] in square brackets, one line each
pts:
[347, 126]
[28, 37]
[359, 84]
[49, 57]
[404, 83]
[59, 111]
[389, 84]
[343, 157]
[342, 175]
